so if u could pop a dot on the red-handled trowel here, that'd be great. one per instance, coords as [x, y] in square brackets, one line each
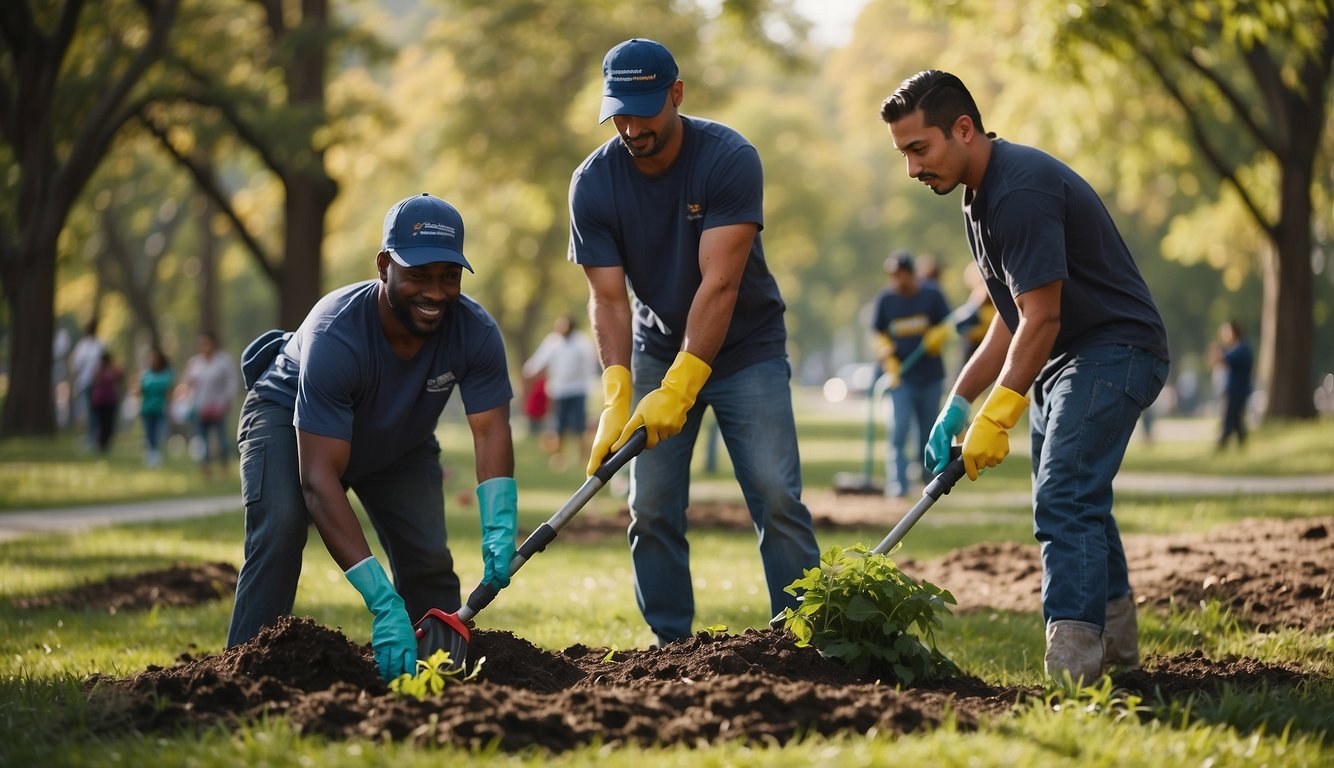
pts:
[450, 631]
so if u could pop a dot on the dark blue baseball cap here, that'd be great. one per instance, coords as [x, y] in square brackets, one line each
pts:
[636, 76]
[423, 229]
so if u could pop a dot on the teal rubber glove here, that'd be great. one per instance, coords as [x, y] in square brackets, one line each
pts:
[949, 423]
[498, 499]
[392, 638]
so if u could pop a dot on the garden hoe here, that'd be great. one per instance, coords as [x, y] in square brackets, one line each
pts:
[865, 483]
[450, 632]
[939, 486]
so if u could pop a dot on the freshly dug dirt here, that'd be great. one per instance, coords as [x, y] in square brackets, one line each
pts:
[757, 686]
[182, 584]
[1270, 573]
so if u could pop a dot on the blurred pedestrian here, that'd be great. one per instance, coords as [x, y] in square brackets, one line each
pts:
[104, 397]
[910, 314]
[211, 382]
[84, 361]
[536, 404]
[569, 363]
[155, 384]
[1238, 362]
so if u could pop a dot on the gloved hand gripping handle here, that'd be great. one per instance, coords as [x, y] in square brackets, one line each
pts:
[546, 532]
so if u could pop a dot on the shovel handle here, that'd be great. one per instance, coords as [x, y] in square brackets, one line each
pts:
[939, 486]
[613, 463]
[546, 532]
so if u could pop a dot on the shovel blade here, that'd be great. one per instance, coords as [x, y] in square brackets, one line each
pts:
[437, 631]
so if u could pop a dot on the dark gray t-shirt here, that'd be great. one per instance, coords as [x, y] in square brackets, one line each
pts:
[1033, 221]
[343, 380]
[650, 226]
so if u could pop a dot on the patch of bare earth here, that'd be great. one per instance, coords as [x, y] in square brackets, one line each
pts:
[757, 686]
[182, 584]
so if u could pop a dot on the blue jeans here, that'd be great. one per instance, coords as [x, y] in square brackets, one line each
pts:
[571, 414]
[405, 503]
[209, 432]
[1082, 417]
[155, 426]
[915, 405]
[754, 412]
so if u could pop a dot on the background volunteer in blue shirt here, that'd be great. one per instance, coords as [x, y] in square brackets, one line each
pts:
[910, 314]
[1075, 322]
[351, 400]
[673, 206]
[1238, 363]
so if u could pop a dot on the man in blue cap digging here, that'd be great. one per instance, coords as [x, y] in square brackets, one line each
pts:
[672, 205]
[351, 400]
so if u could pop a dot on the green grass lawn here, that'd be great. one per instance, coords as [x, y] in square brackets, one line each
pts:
[580, 592]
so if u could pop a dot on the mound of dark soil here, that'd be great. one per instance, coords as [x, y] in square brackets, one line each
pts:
[182, 584]
[1270, 573]
[758, 686]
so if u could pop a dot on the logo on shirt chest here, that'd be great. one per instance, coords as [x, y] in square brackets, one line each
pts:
[694, 211]
[442, 383]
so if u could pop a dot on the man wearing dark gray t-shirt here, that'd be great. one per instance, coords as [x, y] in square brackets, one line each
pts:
[351, 400]
[1075, 322]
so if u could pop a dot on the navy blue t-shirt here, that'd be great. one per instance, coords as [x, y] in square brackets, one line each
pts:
[1034, 221]
[1240, 363]
[650, 226]
[904, 319]
[343, 380]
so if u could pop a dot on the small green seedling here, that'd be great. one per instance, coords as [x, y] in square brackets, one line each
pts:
[860, 609]
[715, 630]
[433, 676]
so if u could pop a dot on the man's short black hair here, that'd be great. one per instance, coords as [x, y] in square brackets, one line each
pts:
[942, 97]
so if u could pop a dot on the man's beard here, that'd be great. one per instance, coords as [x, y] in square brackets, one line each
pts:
[403, 311]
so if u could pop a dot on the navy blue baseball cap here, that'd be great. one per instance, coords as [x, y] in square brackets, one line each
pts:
[635, 78]
[423, 229]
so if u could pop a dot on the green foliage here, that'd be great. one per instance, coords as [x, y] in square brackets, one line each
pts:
[715, 630]
[1097, 698]
[434, 675]
[859, 608]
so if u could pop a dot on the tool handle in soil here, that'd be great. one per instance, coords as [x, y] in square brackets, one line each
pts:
[546, 532]
[938, 487]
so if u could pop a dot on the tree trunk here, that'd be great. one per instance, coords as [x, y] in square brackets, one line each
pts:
[30, 404]
[210, 313]
[1288, 327]
[309, 195]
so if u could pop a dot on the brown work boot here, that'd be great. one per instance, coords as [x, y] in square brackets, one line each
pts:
[1074, 647]
[1120, 637]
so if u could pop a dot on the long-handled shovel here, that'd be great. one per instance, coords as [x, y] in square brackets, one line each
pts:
[449, 631]
[939, 486]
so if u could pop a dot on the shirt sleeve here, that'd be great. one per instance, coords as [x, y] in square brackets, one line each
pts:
[736, 190]
[327, 387]
[1029, 228]
[486, 385]
[592, 241]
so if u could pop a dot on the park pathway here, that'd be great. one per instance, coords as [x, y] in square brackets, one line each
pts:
[75, 519]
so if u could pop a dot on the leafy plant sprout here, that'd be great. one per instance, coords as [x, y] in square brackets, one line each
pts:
[433, 676]
[859, 608]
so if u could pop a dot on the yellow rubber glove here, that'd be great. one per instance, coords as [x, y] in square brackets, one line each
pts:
[889, 363]
[934, 338]
[662, 412]
[616, 392]
[892, 367]
[987, 442]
